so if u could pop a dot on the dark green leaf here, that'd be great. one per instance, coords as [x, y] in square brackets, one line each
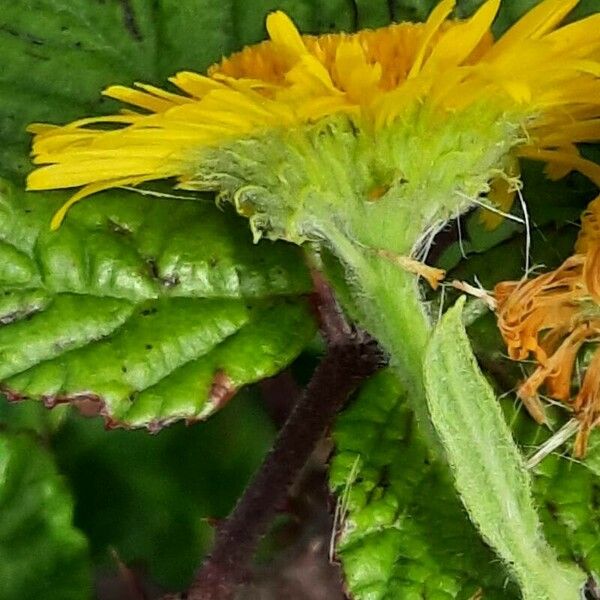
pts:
[151, 498]
[57, 56]
[41, 554]
[567, 491]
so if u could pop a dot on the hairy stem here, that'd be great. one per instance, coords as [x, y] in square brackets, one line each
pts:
[351, 357]
[392, 310]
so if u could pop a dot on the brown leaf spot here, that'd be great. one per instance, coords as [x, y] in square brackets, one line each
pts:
[12, 395]
[222, 390]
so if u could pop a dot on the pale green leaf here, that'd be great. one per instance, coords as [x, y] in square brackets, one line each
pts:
[488, 468]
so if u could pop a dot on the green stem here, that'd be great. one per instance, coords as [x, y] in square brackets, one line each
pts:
[391, 309]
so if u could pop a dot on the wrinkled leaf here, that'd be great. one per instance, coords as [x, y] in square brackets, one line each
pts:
[154, 309]
[402, 531]
[42, 555]
[381, 456]
[567, 491]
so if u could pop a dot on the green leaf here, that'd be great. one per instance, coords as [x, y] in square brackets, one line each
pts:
[150, 498]
[41, 554]
[156, 309]
[402, 531]
[566, 491]
[489, 470]
[57, 56]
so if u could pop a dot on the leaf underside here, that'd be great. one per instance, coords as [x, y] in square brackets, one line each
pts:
[488, 468]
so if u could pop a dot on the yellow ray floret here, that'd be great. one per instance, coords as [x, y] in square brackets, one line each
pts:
[546, 73]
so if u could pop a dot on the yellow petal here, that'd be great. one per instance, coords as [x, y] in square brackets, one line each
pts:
[137, 98]
[88, 190]
[537, 22]
[586, 167]
[357, 77]
[459, 42]
[437, 17]
[283, 33]
[194, 84]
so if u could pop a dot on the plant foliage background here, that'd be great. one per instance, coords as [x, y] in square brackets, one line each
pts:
[135, 304]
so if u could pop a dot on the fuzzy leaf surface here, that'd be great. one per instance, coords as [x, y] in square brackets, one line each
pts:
[402, 531]
[155, 309]
[487, 466]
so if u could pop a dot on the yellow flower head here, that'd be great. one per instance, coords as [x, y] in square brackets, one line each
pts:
[551, 317]
[539, 81]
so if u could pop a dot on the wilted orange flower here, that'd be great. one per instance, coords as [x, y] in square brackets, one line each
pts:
[550, 318]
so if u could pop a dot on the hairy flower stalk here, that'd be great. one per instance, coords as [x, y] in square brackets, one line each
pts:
[364, 143]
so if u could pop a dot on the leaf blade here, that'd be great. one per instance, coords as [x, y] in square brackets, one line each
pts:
[134, 301]
[489, 471]
[403, 532]
[42, 555]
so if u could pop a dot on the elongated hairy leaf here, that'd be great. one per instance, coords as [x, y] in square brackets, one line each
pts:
[401, 529]
[488, 468]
